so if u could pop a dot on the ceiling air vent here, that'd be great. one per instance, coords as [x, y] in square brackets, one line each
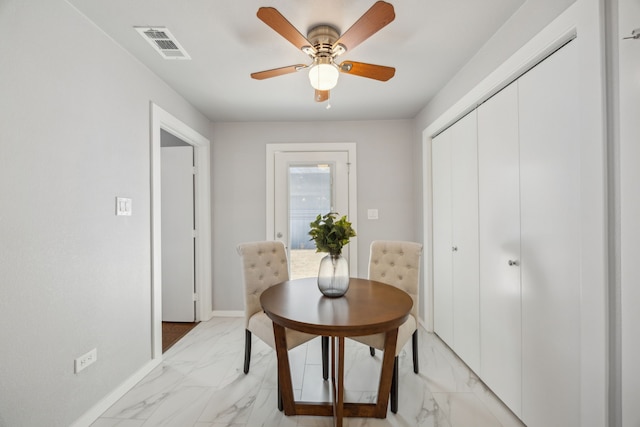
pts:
[163, 42]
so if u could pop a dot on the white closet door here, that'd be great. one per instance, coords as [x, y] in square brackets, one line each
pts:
[499, 215]
[550, 229]
[442, 235]
[464, 201]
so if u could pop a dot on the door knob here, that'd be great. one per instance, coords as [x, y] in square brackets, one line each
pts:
[514, 262]
[454, 249]
[279, 235]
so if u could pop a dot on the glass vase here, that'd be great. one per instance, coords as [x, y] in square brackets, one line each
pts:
[333, 276]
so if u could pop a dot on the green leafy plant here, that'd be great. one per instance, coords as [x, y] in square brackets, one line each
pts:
[329, 234]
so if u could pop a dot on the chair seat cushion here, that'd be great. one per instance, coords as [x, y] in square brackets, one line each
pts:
[404, 334]
[262, 327]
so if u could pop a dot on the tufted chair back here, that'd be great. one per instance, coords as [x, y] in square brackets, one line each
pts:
[397, 263]
[264, 264]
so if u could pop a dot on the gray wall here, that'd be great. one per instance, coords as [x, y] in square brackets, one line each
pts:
[169, 140]
[385, 176]
[75, 134]
[532, 17]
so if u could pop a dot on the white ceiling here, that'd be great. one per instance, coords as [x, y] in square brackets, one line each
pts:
[427, 43]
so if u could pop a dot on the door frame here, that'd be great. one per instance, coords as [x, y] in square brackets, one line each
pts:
[161, 119]
[350, 148]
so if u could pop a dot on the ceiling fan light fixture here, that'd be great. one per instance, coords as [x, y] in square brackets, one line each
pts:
[324, 44]
[323, 76]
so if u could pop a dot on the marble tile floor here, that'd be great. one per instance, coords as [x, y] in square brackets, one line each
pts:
[200, 383]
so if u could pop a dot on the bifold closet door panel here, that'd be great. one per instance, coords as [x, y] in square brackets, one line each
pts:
[442, 234]
[550, 240]
[466, 289]
[499, 230]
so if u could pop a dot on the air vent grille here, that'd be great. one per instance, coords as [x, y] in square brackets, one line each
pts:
[163, 42]
[166, 44]
[153, 34]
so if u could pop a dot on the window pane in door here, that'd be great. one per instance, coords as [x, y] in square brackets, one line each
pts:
[310, 195]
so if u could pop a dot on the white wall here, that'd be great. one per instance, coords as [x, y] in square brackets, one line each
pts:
[385, 162]
[75, 134]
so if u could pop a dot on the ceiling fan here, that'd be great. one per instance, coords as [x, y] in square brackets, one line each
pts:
[324, 44]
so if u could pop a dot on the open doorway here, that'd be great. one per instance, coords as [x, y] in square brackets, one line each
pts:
[179, 240]
[163, 123]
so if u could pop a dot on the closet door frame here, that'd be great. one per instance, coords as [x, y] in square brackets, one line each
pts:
[581, 21]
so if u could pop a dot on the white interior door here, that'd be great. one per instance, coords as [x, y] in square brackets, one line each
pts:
[442, 237]
[499, 225]
[551, 234]
[455, 239]
[308, 184]
[178, 248]
[464, 202]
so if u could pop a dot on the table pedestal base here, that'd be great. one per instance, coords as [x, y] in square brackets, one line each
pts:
[338, 408]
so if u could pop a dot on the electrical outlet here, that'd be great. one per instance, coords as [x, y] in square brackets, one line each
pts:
[85, 360]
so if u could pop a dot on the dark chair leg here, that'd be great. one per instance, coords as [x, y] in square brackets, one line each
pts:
[280, 404]
[247, 350]
[325, 358]
[414, 342]
[372, 351]
[394, 387]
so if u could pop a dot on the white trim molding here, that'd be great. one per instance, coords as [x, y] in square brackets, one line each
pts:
[101, 407]
[227, 313]
[161, 119]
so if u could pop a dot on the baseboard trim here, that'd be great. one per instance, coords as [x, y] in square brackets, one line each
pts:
[101, 407]
[227, 313]
[424, 325]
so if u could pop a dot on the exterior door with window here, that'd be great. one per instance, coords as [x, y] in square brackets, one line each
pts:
[308, 184]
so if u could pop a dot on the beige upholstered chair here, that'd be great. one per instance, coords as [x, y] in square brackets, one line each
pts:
[264, 264]
[397, 263]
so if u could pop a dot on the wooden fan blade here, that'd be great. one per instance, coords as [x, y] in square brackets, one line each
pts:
[371, 71]
[377, 17]
[280, 25]
[267, 74]
[321, 95]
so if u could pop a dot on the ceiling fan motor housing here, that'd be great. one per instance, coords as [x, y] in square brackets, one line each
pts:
[323, 37]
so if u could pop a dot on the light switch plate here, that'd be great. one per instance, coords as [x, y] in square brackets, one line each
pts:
[123, 206]
[372, 214]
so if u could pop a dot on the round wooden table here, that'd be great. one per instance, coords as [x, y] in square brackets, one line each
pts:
[369, 307]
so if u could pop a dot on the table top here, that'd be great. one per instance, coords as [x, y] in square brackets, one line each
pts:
[368, 307]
